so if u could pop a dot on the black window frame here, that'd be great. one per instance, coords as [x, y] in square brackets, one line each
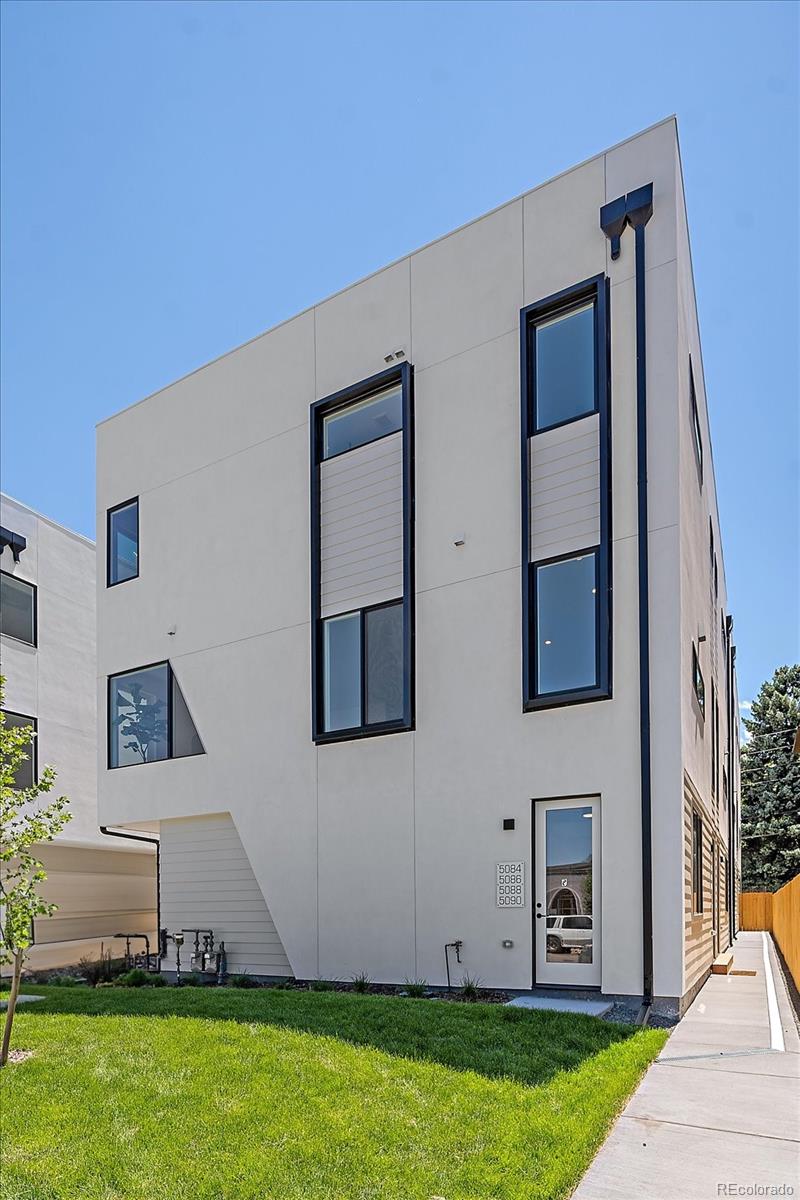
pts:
[697, 679]
[172, 682]
[109, 514]
[698, 899]
[35, 592]
[714, 739]
[697, 432]
[597, 290]
[34, 754]
[402, 373]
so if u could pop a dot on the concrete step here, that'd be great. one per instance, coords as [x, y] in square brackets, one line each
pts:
[722, 963]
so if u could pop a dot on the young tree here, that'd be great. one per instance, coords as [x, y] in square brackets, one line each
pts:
[771, 785]
[25, 823]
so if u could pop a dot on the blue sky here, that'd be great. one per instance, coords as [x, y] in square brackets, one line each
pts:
[178, 177]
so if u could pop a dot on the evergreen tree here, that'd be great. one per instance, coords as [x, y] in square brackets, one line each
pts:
[771, 785]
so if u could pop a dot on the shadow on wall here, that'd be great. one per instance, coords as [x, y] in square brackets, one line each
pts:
[528, 1046]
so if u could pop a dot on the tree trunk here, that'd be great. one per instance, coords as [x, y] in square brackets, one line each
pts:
[12, 1006]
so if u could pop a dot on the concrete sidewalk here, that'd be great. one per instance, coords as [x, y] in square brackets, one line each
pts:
[721, 1104]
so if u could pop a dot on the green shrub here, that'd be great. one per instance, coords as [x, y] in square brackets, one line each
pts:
[66, 981]
[416, 987]
[132, 979]
[243, 981]
[361, 982]
[470, 986]
[321, 985]
[193, 979]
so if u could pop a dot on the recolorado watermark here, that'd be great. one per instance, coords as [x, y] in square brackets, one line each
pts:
[755, 1189]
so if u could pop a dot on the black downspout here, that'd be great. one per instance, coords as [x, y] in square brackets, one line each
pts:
[139, 837]
[636, 209]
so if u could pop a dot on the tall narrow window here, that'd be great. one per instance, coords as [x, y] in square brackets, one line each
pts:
[123, 542]
[26, 774]
[714, 738]
[148, 718]
[362, 557]
[696, 432]
[17, 608]
[697, 863]
[566, 497]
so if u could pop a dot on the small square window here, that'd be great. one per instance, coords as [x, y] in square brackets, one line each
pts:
[17, 608]
[123, 542]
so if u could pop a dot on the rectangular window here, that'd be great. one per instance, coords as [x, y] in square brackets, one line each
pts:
[362, 556]
[565, 603]
[363, 422]
[27, 774]
[148, 719]
[123, 542]
[566, 492]
[696, 434]
[697, 863]
[17, 608]
[697, 681]
[714, 739]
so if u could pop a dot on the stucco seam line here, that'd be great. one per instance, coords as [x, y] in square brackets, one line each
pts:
[45, 589]
[653, 529]
[467, 579]
[647, 271]
[103, 675]
[101, 512]
[467, 350]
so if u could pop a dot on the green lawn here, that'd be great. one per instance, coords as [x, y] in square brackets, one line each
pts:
[280, 1095]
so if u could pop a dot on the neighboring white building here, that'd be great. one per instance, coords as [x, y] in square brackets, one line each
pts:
[394, 694]
[48, 657]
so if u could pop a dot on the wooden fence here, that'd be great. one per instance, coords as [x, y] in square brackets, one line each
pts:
[778, 913]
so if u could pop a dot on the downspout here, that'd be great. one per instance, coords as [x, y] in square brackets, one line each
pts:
[139, 837]
[635, 210]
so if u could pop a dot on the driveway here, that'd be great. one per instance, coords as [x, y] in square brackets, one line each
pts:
[718, 1113]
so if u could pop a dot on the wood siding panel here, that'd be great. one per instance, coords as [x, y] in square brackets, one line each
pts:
[565, 489]
[361, 526]
[98, 893]
[207, 881]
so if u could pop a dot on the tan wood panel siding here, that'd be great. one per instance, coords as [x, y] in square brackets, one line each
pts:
[698, 927]
[207, 881]
[98, 893]
[565, 489]
[361, 526]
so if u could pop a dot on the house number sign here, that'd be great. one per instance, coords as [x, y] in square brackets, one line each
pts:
[511, 885]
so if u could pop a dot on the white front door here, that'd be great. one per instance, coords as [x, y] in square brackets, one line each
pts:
[567, 892]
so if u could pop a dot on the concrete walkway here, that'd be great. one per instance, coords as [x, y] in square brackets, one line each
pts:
[719, 1109]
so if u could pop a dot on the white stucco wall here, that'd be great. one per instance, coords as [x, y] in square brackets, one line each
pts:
[372, 854]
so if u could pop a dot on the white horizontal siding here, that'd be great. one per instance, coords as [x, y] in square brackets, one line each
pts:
[361, 526]
[207, 882]
[99, 893]
[565, 489]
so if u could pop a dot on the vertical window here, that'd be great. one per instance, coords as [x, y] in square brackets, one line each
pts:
[697, 863]
[148, 719]
[123, 542]
[26, 774]
[566, 478]
[566, 625]
[564, 367]
[696, 433]
[362, 593]
[698, 683]
[17, 608]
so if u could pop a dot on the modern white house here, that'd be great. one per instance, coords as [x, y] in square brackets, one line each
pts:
[102, 885]
[414, 641]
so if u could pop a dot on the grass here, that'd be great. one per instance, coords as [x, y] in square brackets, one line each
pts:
[277, 1095]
